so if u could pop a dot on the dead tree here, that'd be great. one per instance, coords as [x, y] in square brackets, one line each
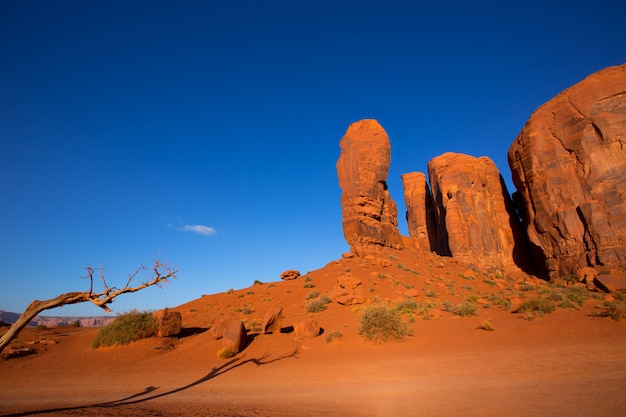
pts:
[159, 274]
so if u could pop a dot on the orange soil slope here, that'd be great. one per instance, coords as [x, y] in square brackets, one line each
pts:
[564, 364]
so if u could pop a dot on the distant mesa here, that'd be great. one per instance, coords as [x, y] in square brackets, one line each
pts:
[569, 211]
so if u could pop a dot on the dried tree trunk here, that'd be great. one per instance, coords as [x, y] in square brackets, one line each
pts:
[162, 272]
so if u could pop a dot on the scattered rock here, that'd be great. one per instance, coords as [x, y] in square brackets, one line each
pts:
[217, 330]
[350, 299]
[289, 274]
[370, 216]
[347, 255]
[610, 283]
[569, 166]
[273, 321]
[308, 328]
[412, 292]
[169, 323]
[586, 275]
[235, 336]
[348, 282]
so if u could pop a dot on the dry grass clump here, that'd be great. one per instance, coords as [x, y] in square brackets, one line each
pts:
[486, 325]
[381, 323]
[126, 328]
[536, 307]
[319, 304]
[464, 309]
[225, 352]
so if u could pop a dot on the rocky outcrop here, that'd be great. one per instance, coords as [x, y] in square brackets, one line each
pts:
[273, 320]
[369, 214]
[169, 323]
[420, 215]
[217, 330]
[234, 337]
[476, 220]
[307, 328]
[569, 166]
[289, 274]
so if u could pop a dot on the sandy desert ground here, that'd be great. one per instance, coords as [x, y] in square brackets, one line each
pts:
[568, 363]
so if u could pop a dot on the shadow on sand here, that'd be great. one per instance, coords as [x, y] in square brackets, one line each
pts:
[145, 396]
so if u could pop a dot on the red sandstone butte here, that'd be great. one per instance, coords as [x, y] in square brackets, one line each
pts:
[476, 219]
[569, 166]
[370, 216]
[420, 214]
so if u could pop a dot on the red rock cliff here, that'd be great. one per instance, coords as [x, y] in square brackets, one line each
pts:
[419, 211]
[476, 221]
[569, 166]
[369, 214]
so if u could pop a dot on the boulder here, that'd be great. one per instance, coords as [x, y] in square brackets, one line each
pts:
[169, 323]
[369, 213]
[307, 328]
[350, 299]
[217, 330]
[569, 167]
[348, 282]
[610, 283]
[586, 275]
[289, 274]
[476, 220]
[273, 320]
[420, 214]
[235, 336]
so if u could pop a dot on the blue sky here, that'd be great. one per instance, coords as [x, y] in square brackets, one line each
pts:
[209, 131]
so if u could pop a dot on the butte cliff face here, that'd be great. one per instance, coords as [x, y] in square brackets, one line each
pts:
[569, 166]
[420, 214]
[370, 216]
[476, 221]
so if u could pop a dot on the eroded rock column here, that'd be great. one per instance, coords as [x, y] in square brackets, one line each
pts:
[370, 216]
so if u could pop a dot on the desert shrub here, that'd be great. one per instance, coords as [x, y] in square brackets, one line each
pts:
[319, 304]
[225, 352]
[448, 306]
[465, 309]
[309, 285]
[381, 323]
[536, 307]
[41, 327]
[526, 287]
[257, 282]
[312, 294]
[75, 323]
[125, 329]
[486, 325]
[333, 335]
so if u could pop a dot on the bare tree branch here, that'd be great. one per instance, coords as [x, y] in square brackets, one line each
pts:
[159, 273]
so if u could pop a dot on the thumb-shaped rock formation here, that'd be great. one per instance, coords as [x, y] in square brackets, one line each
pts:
[370, 216]
[569, 166]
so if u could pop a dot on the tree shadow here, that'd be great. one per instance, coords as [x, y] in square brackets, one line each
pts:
[144, 396]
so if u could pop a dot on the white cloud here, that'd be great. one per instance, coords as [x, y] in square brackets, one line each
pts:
[200, 229]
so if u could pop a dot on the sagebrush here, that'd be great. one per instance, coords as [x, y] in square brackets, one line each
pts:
[126, 328]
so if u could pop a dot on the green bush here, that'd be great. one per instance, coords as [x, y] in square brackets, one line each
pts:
[465, 309]
[381, 323]
[536, 307]
[125, 329]
[318, 304]
[333, 335]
